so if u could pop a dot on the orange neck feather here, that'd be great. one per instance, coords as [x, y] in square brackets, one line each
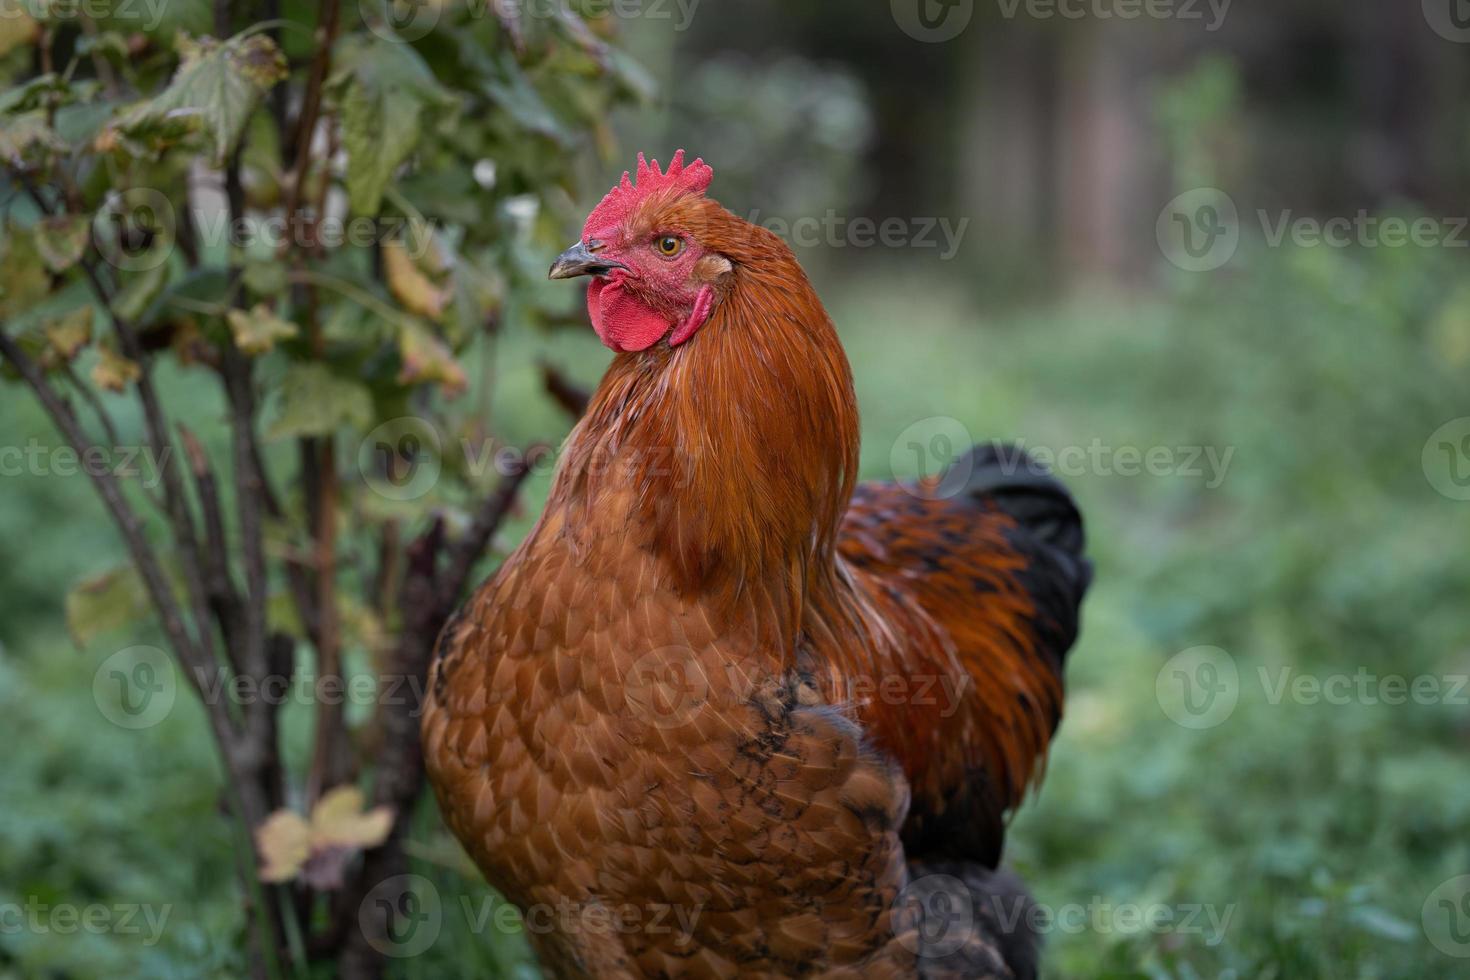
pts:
[740, 446]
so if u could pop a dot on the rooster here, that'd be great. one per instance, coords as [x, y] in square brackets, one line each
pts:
[724, 711]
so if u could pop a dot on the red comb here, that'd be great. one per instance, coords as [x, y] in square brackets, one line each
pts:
[620, 201]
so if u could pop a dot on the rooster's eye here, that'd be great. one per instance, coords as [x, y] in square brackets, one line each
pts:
[669, 245]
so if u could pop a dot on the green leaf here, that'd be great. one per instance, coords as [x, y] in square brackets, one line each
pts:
[514, 93]
[257, 330]
[34, 94]
[215, 89]
[23, 278]
[140, 292]
[314, 402]
[61, 240]
[387, 93]
[21, 133]
[635, 79]
[379, 131]
[478, 299]
[112, 44]
[264, 277]
[109, 601]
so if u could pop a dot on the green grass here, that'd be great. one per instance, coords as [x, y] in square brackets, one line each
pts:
[1319, 829]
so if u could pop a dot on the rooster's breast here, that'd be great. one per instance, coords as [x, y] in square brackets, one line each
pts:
[653, 800]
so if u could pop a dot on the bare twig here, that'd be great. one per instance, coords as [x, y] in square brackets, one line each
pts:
[330, 755]
[249, 491]
[157, 431]
[465, 552]
[218, 585]
[572, 397]
[326, 37]
[390, 554]
[144, 557]
[93, 402]
[426, 599]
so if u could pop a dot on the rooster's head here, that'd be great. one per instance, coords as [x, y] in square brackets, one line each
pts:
[654, 275]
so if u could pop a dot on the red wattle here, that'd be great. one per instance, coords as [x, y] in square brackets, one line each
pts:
[703, 303]
[621, 320]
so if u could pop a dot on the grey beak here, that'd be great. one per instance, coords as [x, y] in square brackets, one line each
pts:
[581, 260]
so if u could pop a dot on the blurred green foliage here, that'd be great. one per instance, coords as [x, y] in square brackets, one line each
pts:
[1319, 829]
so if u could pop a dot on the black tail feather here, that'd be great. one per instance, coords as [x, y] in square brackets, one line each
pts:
[1011, 479]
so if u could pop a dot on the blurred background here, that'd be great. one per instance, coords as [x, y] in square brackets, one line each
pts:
[1207, 258]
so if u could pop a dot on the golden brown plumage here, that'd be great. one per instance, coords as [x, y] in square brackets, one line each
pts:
[709, 684]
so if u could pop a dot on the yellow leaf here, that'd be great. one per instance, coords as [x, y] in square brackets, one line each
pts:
[16, 26]
[70, 334]
[426, 358]
[257, 331]
[284, 843]
[338, 820]
[114, 600]
[410, 285]
[113, 371]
